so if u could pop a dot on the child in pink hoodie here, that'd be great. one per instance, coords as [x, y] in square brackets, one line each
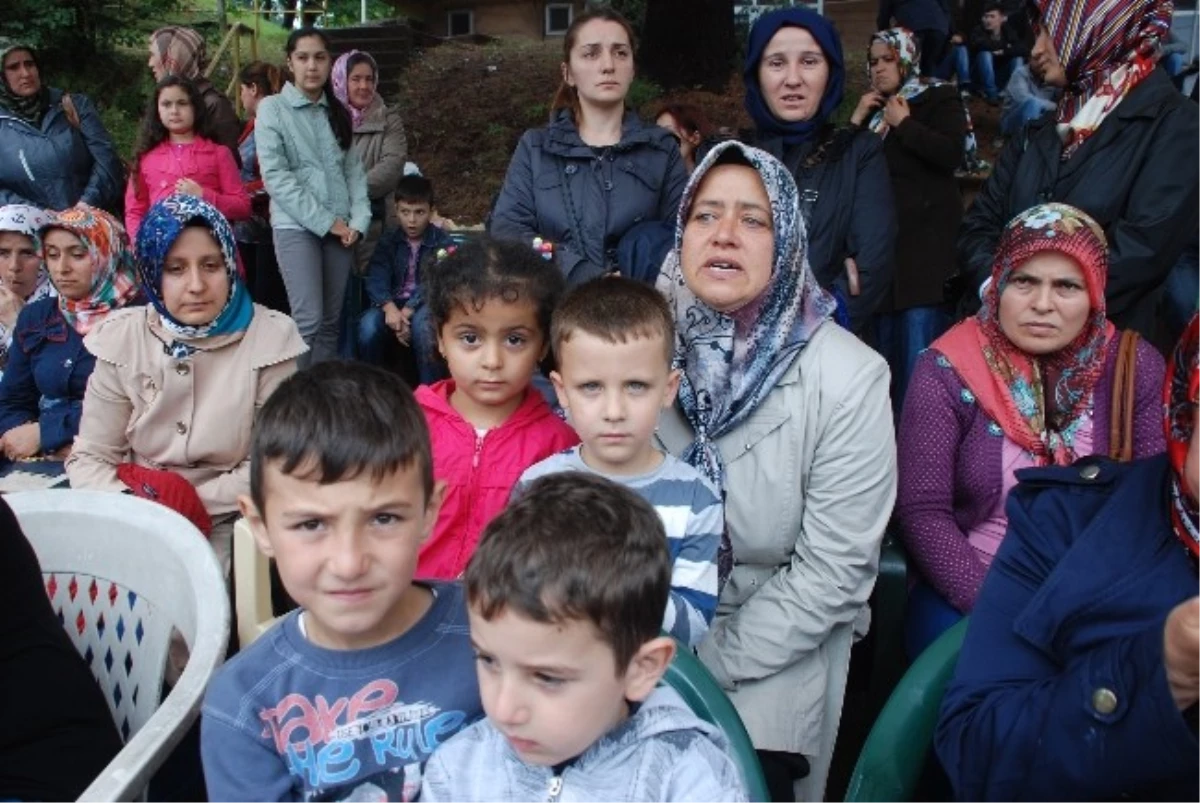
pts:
[174, 154]
[490, 302]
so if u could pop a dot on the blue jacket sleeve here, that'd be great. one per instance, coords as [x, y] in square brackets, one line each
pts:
[60, 424]
[238, 766]
[105, 185]
[19, 392]
[382, 269]
[1018, 725]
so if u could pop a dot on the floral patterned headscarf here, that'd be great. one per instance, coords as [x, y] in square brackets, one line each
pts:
[1181, 396]
[729, 365]
[161, 227]
[1107, 47]
[340, 77]
[181, 49]
[113, 282]
[1039, 402]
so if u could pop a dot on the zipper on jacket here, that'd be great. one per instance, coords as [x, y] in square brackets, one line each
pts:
[478, 449]
[25, 164]
[555, 790]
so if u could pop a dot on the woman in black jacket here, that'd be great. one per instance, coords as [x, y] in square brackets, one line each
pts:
[597, 170]
[923, 126]
[794, 76]
[1121, 146]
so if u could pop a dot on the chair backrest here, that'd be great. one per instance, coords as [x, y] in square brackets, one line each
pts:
[704, 696]
[251, 586]
[121, 572]
[893, 757]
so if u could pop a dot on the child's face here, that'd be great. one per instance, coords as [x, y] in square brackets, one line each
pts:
[613, 394]
[492, 352]
[992, 20]
[346, 550]
[175, 110]
[413, 217]
[554, 689]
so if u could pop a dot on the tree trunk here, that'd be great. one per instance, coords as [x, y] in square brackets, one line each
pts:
[687, 43]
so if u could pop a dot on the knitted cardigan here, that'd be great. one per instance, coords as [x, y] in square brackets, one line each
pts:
[949, 458]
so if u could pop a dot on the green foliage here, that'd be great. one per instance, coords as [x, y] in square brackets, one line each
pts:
[642, 92]
[78, 30]
[349, 12]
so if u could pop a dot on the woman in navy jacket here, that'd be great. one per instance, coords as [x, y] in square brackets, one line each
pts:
[597, 170]
[1080, 674]
[41, 394]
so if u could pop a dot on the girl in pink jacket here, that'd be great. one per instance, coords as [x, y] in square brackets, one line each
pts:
[176, 155]
[490, 301]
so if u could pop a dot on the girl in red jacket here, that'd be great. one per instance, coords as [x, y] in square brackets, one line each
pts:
[176, 154]
[490, 301]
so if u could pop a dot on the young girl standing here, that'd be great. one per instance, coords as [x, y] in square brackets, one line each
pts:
[319, 203]
[490, 302]
[175, 154]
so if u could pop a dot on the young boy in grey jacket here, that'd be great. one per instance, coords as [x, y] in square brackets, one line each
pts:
[565, 595]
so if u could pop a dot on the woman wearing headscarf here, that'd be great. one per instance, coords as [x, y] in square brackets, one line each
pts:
[1035, 379]
[1121, 146]
[176, 50]
[795, 76]
[23, 274]
[378, 140]
[54, 149]
[1080, 673]
[788, 415]
[923, 125]
[177, 382]
[41, 395]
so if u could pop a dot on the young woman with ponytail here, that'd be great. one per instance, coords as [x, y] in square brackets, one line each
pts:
[596, 170]
[319, 204]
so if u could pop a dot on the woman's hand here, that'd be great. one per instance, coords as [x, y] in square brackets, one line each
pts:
[1181, 653]
[867, 105]
[23, 441]
[189, 187]
[350, 237]
[10, 307]
[895, 111]
[343, 232]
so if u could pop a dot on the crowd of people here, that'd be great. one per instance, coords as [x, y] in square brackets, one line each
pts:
[672, 399]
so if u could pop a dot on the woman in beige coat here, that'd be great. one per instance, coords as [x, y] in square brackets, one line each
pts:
[378, 140]
[790, 416]
[177, 383]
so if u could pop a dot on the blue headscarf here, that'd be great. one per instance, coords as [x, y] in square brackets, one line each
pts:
[161, 227]
[826, 35]
[727, 371]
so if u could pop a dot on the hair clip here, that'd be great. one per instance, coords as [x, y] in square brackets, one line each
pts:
[442, 253]
[544, 247]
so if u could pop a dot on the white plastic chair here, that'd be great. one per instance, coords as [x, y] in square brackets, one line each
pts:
[121, 572]
[251, 586]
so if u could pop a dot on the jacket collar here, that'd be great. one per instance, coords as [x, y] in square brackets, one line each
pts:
[562, 135]
[435, 399]
[298, 99]
[374, 117]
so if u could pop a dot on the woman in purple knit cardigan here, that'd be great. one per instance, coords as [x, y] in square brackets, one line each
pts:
[1027, 382]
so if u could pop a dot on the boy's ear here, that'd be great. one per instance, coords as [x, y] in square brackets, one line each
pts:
[560, 390]
[647, 667]
[258, 527]
[433, 507]
[672, 388]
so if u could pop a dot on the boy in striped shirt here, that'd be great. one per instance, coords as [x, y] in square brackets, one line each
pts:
[613, 342]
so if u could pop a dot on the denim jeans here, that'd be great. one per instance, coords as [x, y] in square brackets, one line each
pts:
[1016, 118]
[927, 616]
[994, 73]
[1180, 291]
[956, 63]
[377, 345]
[902, 336]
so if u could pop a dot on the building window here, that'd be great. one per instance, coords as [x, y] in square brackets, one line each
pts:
[558, 18]
[460, 23]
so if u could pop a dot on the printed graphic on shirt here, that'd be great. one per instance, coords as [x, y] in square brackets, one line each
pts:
[369, 746]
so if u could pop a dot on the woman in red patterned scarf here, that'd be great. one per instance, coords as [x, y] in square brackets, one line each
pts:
[1121, 146]
[1080, 675]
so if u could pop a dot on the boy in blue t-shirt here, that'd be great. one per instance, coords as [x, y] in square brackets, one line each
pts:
[347, 697]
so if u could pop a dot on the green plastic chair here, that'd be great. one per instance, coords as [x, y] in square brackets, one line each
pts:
[890, 764]
[705, 697]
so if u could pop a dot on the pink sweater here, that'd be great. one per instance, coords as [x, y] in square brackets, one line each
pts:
[208, 164]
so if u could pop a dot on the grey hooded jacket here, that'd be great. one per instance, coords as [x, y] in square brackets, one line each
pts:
[585, 199]
[663, 752]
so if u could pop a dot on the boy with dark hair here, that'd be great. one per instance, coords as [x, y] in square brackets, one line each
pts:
[613, 342]
[998, 50]
[564, 594]
[348, 696]
[396, 327]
